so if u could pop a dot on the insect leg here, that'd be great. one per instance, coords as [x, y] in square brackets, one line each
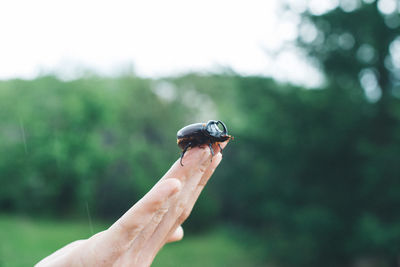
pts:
[184, 151]
[220, 148]
[212, 150]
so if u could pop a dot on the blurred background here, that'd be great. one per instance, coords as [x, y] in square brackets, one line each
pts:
[92, 94]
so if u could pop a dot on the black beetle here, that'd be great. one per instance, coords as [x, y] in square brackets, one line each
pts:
[199, 134]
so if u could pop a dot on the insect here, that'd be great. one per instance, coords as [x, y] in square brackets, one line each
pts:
[199, 134]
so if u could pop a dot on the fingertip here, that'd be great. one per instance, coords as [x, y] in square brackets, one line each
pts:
[224, 144]
[196, 155]
[203, 152]
[174, 184]
[218, 157]
[179, 233]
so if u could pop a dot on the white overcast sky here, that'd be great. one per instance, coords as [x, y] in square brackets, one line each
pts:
[157, 37]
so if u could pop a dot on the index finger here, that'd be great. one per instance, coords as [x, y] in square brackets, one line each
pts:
[196, 161]
[187, 197]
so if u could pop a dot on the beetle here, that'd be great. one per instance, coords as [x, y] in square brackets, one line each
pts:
[199, 134]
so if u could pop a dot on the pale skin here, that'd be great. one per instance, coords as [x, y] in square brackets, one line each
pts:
[137, 237]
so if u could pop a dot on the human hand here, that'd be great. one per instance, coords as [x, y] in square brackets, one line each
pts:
[136, 238]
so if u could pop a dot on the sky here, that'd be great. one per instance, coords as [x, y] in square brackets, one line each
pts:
[154, 38]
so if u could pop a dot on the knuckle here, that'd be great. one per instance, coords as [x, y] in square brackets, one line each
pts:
[206, 154]
[96, 236]
[118, 248]
[156, 204]
[159, 215]
[140, 239]
[130, 231]
[156, 219]
[163, 210]
[179, 208]
[206, 151]
[204, 180]
[203, 167]
[202, 183]
[185, 214]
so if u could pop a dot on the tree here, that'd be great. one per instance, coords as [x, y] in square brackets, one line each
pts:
[357, 46]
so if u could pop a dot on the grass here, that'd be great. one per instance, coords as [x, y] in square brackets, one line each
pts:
[215, 248]
[24, 241]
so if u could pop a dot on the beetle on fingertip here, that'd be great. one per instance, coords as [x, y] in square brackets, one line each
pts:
[199, 134]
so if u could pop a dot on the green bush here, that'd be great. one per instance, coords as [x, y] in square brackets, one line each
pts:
[305, 172]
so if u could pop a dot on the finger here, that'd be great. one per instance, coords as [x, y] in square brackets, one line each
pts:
[135, 249]
[200, 186]
[177, 235]
[189, 204]
[185, 197]
[137, 217]
[138, 243]
[197, 161]
[224, 144]
[53, 258]
[193, 174]
[216, 161]
[206, 177]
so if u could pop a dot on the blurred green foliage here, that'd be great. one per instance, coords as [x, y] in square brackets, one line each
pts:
[302, 173]
[312, 174]
[104, 142]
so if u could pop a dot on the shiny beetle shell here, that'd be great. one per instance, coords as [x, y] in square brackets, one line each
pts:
[199, 134]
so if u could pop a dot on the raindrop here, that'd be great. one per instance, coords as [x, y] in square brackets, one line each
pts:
[21, 127]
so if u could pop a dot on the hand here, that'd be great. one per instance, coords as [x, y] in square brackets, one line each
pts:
[136, 238]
